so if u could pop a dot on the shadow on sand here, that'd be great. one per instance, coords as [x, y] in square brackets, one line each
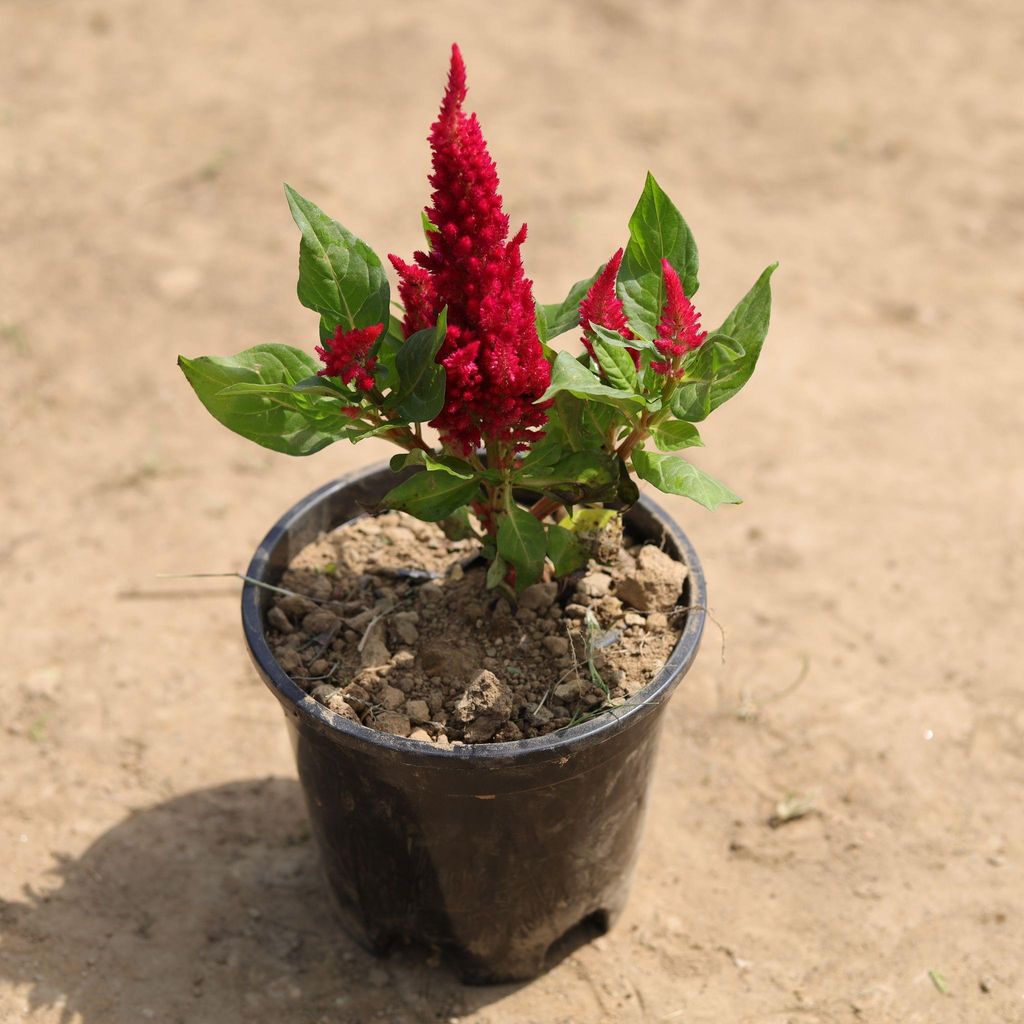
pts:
[211, 908]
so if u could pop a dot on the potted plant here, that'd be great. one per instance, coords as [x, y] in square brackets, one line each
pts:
[483, 804]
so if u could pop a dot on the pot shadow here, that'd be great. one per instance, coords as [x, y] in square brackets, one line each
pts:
[211, 907]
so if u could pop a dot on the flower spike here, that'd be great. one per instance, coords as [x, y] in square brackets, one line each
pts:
[679, 329]
[603, 307]
[494, 361]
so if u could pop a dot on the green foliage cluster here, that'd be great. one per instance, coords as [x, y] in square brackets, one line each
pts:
[609, 420]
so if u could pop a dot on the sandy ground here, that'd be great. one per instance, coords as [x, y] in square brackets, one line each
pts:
[155, 864]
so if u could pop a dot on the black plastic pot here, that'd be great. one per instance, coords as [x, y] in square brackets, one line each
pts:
[490, 853]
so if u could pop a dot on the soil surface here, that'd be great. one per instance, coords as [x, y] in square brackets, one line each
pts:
[390, 623]
[156, 862]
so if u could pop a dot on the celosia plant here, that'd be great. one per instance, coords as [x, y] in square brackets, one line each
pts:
[532, 445]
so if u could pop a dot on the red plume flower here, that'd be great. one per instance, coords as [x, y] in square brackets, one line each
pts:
[416, 290]
[347, 355]
[603, 307]
[679, 328]
[494, 362]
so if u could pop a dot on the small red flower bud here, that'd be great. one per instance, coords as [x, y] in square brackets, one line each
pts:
[602, 306]
[347, 355]
[679, 329]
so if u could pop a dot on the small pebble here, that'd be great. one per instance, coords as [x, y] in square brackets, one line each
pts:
[557, 646]
[418, 710]
[392, 697]
[337, 703]
[323, 692]
[595, 584]
[569, 690]
[538, 597]
[319, 622]
[393, 722]
[279, 621]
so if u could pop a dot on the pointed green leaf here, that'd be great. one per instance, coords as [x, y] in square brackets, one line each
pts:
[616, 340]
[673, 435]
[556, 318]
[586, 476]
[522, 543]
[656, 231]
[340, 276]
[458, 525]
[708, 370]
[430, 495]
[442, 463]
[568, 374]
[627, 492]
[419, 396]
[293, 424]
[429, 227]
[746, 327]
[565, 551]
[615, 362]
[574, 425]
[674, 475]
[496, 572]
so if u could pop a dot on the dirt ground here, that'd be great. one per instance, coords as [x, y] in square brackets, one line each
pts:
[155, 862]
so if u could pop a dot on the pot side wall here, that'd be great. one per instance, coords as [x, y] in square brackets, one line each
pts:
[489, 853]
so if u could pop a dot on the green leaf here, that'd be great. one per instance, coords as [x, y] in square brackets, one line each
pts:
[616, 363]
[556, 318]
[746, 328]
[385, 373]
[545, 452]
[442, 463]
[692, 400]
[272, 415]
[430, 495]
[340, 276]
[588, 520]
[573, 425]
[522, 543]
[429, 227]
[328, 387]
[496, 572]
[627, 492]
[707, 369]
[674, 475]
[568, 374]
[675, 434]
[586, 476]
[657, 231]
[419, 396]
[358, 432]
[616, 340]
[564, 549]
[458, 525]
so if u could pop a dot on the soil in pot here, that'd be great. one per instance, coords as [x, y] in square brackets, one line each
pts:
[390, 624]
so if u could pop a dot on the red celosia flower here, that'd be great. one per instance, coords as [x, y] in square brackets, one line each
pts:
[603, 307]
[416, 290]
[494, 362]
[679, 328]
[347, 355]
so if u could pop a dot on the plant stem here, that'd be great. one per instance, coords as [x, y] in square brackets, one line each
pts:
[543, 508]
